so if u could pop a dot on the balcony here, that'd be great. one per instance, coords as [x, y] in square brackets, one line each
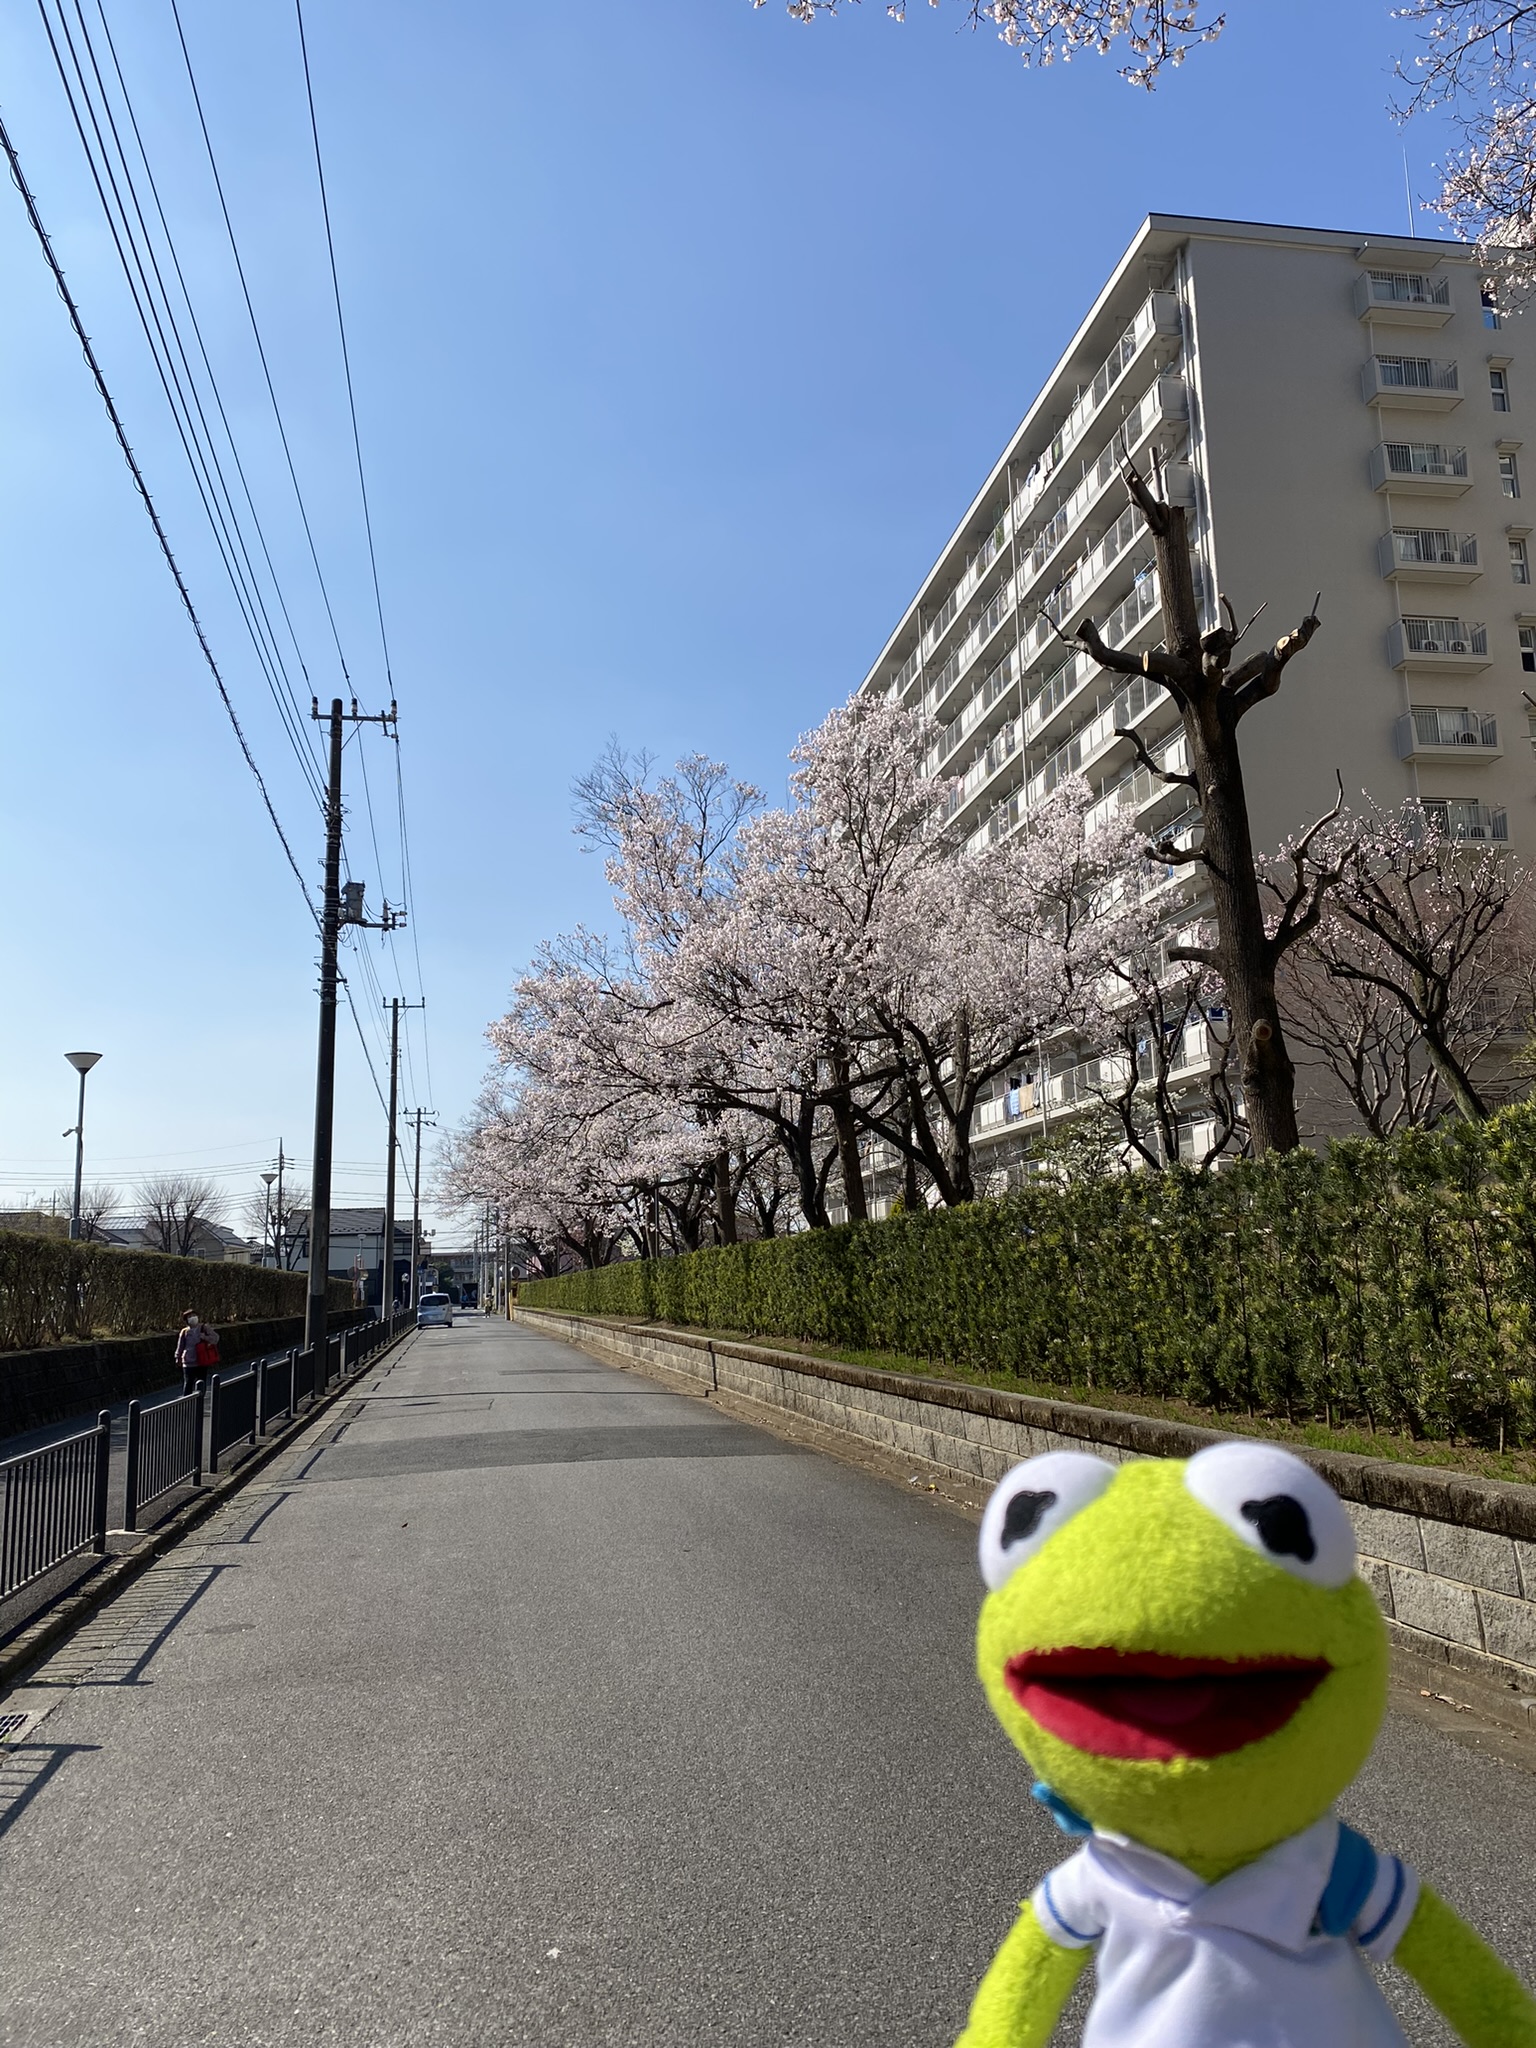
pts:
[1464, 818]
[1411, 383]
[1428, 554]
[1158, 314]
[1423, 468]
[1430, 732]
[1166, 401]
[1449, 644]
[1405, 298]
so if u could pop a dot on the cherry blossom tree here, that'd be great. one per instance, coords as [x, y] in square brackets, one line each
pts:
[1439, 928]
[1475, 66]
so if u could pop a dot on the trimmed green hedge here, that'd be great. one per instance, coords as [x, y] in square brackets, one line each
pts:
[1394, 1283]
[53, 1290]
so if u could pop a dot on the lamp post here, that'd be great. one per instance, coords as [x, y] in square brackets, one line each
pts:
[82, 1062]
[268, 1178]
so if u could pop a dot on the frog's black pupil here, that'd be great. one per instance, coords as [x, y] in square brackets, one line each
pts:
[1023, 1516]
[1282, 1523]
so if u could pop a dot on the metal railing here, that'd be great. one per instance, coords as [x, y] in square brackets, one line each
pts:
[1426, 636]
[53, 1501]
[54, 1504]
[1424, 459]
[165, 1450]
[1433, 546]
[1407, 288]
[1415, 373]
[231, 1413]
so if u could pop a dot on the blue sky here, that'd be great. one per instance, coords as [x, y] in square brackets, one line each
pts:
[682, 334]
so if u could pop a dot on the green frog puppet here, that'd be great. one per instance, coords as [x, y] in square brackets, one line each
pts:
[1193, 1669]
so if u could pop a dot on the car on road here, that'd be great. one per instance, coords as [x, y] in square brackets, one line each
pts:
[434, 1311]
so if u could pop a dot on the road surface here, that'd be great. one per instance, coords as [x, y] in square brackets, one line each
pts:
[524, 1702]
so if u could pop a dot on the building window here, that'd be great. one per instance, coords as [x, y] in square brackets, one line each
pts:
[1509, 476]
[1498, 389]
[1528, 648]
[1491, 310]
[1519, 562]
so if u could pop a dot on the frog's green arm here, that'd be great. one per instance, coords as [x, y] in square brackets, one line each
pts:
[1021, 1996]
[1462, 1977]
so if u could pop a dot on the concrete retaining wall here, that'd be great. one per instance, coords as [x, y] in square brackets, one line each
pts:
[1451, 1558]
[62, 1380]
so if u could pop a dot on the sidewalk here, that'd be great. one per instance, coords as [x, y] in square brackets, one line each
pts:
[522, 1704]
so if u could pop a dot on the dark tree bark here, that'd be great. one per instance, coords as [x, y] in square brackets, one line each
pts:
[1213, 698]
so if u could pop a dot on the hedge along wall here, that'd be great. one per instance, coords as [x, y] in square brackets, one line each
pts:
[52, 1290]
[1391, 1283]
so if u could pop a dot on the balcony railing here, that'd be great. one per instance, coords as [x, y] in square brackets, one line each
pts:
[1157, 314]
[1425, 383]
[1433, 546]
[1165, 400]
[1416, 373]
[1462, 818]
[1407, 288]
[1455, 641]
[1436, 729]
[1424, 458]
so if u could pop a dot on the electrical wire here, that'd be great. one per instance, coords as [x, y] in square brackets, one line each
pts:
[170, 243]
[341, 328]
[35, 217]
[187, 413]
[256, 331]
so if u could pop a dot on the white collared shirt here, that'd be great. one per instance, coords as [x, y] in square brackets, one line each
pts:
[1235, 1964]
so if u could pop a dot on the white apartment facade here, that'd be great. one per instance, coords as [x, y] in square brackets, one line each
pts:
[1340, 412]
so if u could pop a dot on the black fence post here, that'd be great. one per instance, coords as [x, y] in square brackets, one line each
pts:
[131, 1478]
[213, 1423]
[197, 1435]
[103, 1466]
[256, 1393]
[291, 1357]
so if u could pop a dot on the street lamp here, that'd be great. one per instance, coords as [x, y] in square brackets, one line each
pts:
[269, 1178]
[82, 1062]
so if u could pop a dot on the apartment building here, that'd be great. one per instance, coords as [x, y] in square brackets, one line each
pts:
[1339, 412]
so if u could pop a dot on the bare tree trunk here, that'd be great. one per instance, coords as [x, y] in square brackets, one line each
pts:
[1246, 963]
[725, 1197]
[849, 1163]
[1194, 669]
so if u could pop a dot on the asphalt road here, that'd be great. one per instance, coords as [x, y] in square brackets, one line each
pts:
[524, 1702]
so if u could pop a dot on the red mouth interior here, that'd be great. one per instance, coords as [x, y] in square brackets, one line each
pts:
[1139, 1703]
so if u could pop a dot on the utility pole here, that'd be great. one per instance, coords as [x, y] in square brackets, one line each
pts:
[416, 1117]
[333, 916]
[387, 1279]
[278, 1235]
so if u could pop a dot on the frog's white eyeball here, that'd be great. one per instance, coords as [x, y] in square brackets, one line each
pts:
[1031, 1503]
[1279, 1507]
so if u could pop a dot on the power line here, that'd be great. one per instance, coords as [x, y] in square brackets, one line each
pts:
[341, 328]
[142, 487]
[302, 724]
[256, 332]
[201, 454]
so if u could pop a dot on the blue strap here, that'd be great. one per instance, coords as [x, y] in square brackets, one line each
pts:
[1349, 1883]
[1066, 1817]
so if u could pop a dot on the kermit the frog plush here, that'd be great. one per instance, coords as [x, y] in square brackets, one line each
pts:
[1189, 1662]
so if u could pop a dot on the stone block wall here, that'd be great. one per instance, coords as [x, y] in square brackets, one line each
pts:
[1451, 1558]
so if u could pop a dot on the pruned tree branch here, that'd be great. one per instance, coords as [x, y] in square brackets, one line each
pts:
[1165, 774]
[1259, 676]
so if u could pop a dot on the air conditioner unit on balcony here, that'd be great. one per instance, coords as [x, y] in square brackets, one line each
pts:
[1466, 739]
[1457, 647]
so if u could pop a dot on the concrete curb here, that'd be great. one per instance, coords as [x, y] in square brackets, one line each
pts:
[71, 1610]
[1498, 1507]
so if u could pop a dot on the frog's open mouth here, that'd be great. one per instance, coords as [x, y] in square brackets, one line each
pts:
[1140, 1703]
